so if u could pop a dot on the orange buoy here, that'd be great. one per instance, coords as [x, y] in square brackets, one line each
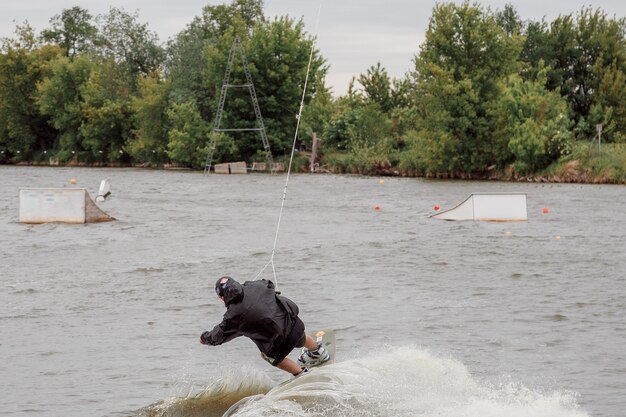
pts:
[437, 207]
[545, 210]
[377, 207]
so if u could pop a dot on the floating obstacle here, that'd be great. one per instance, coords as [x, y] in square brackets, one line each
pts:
[263, 166]
[104, 191]
[493, 207]
[231, 168]
[65, 205]
[241, 168]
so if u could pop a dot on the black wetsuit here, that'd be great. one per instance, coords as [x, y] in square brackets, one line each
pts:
[255, 310]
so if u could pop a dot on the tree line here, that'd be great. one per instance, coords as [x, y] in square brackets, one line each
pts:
[487, 92]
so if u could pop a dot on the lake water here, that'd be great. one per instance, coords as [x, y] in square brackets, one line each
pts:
[432, 318]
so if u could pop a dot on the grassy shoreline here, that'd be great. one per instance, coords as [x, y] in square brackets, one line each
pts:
[585, 164]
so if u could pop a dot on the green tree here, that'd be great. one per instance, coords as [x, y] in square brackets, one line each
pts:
[393, 96]
[610, 106]
[185, 67]
[457, 71]
[188, 135]
[106, 120]
[316, 115]
[369, 125]
[377, 87]
[278, 53]
[356, 126]
[129, 43]
[25, 133]
[536, 47]
[221, 18]
[149, 140]
[509, 20]
[60, 98]
[336, 135]
[401, 89]
[277, 56]
[73, 30]
[532, 123]
[582, 49]
[187, 54]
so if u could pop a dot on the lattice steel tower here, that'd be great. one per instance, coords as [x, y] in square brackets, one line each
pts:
[237, 47]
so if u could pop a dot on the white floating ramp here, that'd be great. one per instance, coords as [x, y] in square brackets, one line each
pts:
[65, 205]
[493, 207]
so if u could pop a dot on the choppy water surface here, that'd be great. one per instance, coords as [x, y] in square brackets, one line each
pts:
[432, 317]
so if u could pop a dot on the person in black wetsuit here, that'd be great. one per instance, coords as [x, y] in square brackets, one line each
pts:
[271, 321]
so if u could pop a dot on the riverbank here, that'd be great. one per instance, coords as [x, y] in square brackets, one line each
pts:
[586, 164]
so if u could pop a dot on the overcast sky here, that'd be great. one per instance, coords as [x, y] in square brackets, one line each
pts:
[352, 34]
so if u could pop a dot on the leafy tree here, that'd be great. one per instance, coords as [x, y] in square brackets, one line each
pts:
[226, 149]
[536, 47]
[467, 40]
[149, 140]
[186, 65]
[357, 125]
[532, 123]
[610, 107]
[583, 50]
[72, 30]
[105, 111]
[277, 56]
[317, 114]
[129, 43]
[188, 135]
[447, 117]
[336, 134]
[574, 61]
[221, 18]
[403, 114]
[509, 20]
[377, 86]
[370, 125]
[188, 53]
[25, 38]
[457, 71]
[401, 89]
[60, 98]
[393, 96]
[24, 131]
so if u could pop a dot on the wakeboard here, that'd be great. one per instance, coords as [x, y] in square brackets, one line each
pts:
[325, 337]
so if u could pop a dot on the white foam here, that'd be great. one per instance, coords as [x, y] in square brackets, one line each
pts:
[406, 382]
[397, 382]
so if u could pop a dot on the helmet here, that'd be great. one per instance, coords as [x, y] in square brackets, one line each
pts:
[221, 285]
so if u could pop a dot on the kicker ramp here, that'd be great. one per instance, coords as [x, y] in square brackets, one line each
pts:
[65, 205]
[494, 207]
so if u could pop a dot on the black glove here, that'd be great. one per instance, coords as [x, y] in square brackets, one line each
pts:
[204, 338]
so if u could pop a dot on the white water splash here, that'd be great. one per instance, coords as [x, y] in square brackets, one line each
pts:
[405, 382]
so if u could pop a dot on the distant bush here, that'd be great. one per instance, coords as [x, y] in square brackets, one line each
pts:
[590, 164]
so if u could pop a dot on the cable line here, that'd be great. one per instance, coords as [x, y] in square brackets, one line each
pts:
[293, 150]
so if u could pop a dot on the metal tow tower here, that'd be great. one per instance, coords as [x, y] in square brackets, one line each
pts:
[237, 47]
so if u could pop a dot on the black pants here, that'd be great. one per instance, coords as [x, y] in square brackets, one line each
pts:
[296, 339]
